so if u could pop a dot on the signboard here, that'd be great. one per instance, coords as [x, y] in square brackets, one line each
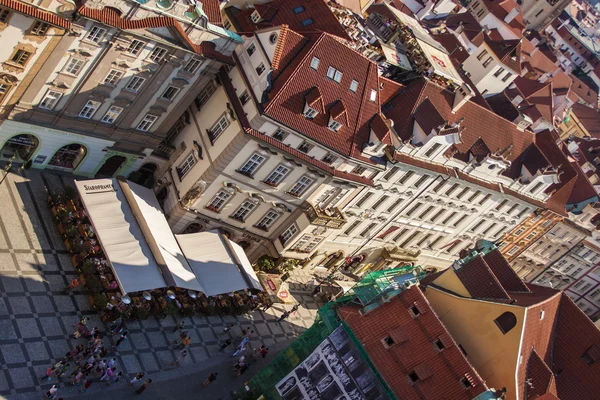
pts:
[334, 370]
[22, 140]
[275, 287]
[40, 159]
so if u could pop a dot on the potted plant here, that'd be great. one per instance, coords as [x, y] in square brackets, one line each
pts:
[100, 301]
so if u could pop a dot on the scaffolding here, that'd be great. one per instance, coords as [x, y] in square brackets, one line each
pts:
[372, 290]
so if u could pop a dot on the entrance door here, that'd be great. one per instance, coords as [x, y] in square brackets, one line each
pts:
[110, 166]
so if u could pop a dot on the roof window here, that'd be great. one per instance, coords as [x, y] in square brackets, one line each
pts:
[353, 86]
[255, 17]
[414, 378]
[373, 95]
[299, 9]
[314, 63]
[388, 342]
[334, 125]
[334, 74]
[307, 22]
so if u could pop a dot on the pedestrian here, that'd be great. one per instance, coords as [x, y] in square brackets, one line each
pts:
[178, 326]
[78, 378]
[267, 305]
[185, 342]
[248, 334]
[264, 352]
[243, 369]
[144, 386]
[243, 333]
[86, 385]
[111, 362]
[63, 369]
[115, 325]
[225, 345]
[109, 372]
[182, 336]
[211, 378]
[227, 329]
[51, 393]
[284, 316]
[136, 378]
[120, 340]
[74, 283]
[239, 351]
[182, 357]
[92, 333]
[48, 375]
[114, 379]
[239, 362]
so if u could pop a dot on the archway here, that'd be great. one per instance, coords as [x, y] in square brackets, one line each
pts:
[110, 166]
[21, 147]
[244, 244]
[193, 228]
[145, 175]
[69, 156]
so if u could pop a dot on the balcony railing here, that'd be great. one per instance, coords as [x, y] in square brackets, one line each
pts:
[331, 217]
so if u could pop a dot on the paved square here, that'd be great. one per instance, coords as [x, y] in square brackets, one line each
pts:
[37, 317]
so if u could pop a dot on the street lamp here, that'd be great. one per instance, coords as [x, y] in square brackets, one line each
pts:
[7, 168]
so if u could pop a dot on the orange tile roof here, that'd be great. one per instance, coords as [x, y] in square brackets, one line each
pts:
[439, 372]
[36, 13]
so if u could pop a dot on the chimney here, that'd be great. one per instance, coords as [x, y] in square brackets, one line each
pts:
[460, 28]
[462, 94]
[511, 15]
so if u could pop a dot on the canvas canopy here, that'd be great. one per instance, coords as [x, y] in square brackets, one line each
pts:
[144, 253]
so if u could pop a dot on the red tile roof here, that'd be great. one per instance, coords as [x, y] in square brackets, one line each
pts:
[287, 96]
[540, 377]
[36, 13]
[465, 21]
[480, 281]
[111, 17]
[587, 91]
[501, 9]
[427, 117]
[381, 126]
[288, 46]
[508, 51]
[506, 275]
[280, 12]
[439, 372]
[588, 117]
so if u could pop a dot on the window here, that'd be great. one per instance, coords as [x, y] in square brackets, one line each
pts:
[314, 243]
[314, 63]
[439, 344]
[423, 239]
[501, 205]
[329, 158]
[353, 86]
[465, 382]
[300, 187]
[334, 74]
[50, 99]
[310, 112]
[462, 193]
[449, 218]
[135, 47]
[513, 250]
[539, 13]
[399, 235]
[363, 199]
[395, 204]
[487, 62]
[243, 211]
[21, 56]
[506, 322]
[245, 97]
[192, 65]
[452, 246]
[307, 22]
[113, 77]
[5, 87]
[217, 203]
[96, 34]
[421, 180]
[305, 147]
[251, 49]
[432, 149]
[279, 134]
[219, 127]
[89, 109]
[250, 167]
[299, 9]
[112, 114]
[536, 187]
[147, 122]
[288, 234]
[390, 173]
[368, 229]
[186, 165]
[158, 54]
[498, 72]
[277, 175]
[267, 220]
[413, 209]
[506, 77]
[359, 170]
[334, 126]
[205, 95]
[484, 199]
[474, 196]
[135, 83]
[542, 313]
[426, 212]
[481, 55]
[379, 202]
[260, 69]
[352, 227]
[406, 177]
[4, 14]
[39, 28]
[170, 93]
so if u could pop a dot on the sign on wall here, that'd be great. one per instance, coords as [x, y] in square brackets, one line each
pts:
[335, 370]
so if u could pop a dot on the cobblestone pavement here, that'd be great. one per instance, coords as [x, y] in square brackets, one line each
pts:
[36, 316]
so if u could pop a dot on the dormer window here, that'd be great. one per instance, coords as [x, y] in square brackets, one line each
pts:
[334, 74]
[353, 86]
[255, 17]
[334, 126]
[310, 113]
[373, 95]
[314, 63]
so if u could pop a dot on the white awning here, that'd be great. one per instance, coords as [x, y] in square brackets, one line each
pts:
[143, 251]
[220, 265]
[120, 235]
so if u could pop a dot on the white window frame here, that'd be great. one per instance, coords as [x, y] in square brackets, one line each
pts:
[96, 34]
[135, 47]
[277, 175]
[173, 89]
[373, 95]
[186, 165]
[192, 65]
[244, 98]
[288, 234]
[301, 185]
[310, 112]
[158, 54]
[135, 83]
[314, 63]
[219, 127]
[217, 203]
[50, 99]
[112, 114]
[252, 164]
[334, 74]
[334, 125]
[89, 109]
[354, 86]
[268, 220]
[74, 66]
[113, 77]
[147, 122]
[244, 210]
[262, 68]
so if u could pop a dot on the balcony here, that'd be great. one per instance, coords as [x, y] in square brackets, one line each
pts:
[330, 217]
[164, 150]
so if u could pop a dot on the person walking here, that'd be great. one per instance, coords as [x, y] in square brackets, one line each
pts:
[74, 283]
[48, 375]
[144, 386]
[86, 385]
[227, 329]
[243, 369]
[51, 393]
[78, 378]
[64, 368]
[114, 379]
[225, 345]
[284, 316]
[211, 378]
[120, 340]
[109, 372]
[117, 323]
[136, 378]
[185, 342]
[239, 351]
[264, 351]
[182, 357]
[178, 326]
[111, 362]
[243, 333]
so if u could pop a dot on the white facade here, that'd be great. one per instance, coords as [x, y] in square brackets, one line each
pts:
[487, 72]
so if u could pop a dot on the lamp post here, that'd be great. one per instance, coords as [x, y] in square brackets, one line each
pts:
[7, 168]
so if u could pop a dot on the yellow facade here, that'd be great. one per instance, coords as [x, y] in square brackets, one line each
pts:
[572, 128]
[471, 322]
[448, 280]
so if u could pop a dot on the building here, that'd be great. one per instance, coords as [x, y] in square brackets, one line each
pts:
[538, 15]
[531, 339]
[582, 121]
[504, 18]
[102, 95]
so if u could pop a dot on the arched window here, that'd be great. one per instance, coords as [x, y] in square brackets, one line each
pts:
[506, 322]
[7, 82]
[21, 147]
[193, 228]
[69, 156]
